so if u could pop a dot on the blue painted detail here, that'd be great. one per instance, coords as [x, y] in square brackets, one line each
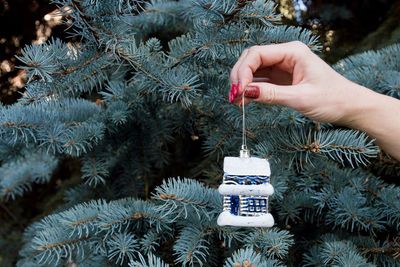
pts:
[246, 176]
[234, 205]
[256, 204]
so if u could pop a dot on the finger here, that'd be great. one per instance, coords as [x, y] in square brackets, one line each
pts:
[269, 93]
[285, 56]
[234, 76]
[238, 97]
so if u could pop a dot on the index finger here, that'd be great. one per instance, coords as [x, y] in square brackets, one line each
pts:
[283, 55]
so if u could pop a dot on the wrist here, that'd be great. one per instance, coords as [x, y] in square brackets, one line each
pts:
[362, 107]
[379, 116]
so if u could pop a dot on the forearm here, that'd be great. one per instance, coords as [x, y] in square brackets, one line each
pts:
[379, 116]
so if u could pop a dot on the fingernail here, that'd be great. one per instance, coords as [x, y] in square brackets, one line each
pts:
[234, 90]
[252, 91]
[232, 93]
[231, 98]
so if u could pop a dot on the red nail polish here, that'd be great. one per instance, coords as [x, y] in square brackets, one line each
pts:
[252, 91]
[234, 90]
[231, 96]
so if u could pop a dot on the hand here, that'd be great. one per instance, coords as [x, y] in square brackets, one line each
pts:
[298, 79]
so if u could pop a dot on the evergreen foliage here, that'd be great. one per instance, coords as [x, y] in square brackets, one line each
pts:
[121, 100]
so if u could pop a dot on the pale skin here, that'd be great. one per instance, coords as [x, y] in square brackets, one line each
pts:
[292, 75]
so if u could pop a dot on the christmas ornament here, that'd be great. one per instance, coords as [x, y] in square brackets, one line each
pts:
[246, 188]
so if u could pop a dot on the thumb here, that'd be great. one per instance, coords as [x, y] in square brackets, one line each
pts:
[269, 93]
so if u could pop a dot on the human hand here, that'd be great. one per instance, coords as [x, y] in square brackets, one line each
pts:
[298, 79]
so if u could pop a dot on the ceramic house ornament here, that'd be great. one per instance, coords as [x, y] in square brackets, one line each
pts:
[246, 187]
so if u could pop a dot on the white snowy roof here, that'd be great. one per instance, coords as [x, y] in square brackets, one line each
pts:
[246, 166]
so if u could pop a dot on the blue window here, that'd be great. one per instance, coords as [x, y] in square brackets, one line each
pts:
[256, 204]
[234, 205]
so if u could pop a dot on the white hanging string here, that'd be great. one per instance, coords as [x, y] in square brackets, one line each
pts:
[244, 143]
[246, 153]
